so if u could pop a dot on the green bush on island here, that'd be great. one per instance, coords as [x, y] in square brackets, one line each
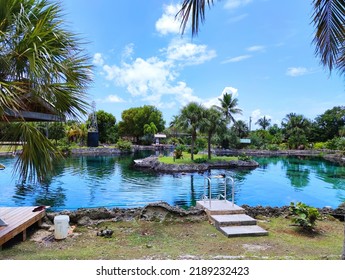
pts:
[124, 145]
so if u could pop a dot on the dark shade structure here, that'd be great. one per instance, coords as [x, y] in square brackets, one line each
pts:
[92, 139]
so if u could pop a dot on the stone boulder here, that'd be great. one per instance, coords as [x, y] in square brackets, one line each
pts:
[162, 211]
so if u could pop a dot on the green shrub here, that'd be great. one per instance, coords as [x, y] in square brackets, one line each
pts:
[283, 146]
[244, 157]
[200, 160]
[195, 151]
[124, 145]
[319, 145]
[304, 215]
[273, 147]
[178, 152]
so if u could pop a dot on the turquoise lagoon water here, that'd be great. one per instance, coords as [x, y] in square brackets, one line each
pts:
[111, 181]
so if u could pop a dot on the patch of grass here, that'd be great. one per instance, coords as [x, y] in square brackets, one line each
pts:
[186, 159]
[9, 148]
[155, 240]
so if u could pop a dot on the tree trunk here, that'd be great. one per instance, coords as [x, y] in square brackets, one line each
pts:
[209, 146]
[192, 148]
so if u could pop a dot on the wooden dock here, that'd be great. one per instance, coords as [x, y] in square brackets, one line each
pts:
[18, 219]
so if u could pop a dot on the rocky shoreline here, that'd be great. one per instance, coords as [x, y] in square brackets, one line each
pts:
[152, 163]
[330, 155]
[162, 211]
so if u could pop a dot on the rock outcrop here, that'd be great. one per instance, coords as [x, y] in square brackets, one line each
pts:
[152, 163]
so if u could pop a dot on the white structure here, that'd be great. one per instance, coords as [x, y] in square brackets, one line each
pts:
[159, 136]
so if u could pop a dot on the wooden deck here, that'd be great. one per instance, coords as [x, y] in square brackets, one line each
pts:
[18, 219]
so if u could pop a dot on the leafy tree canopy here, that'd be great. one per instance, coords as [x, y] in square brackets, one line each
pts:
[134, 120]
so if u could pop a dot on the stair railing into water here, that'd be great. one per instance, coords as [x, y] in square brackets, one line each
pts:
[207, 181]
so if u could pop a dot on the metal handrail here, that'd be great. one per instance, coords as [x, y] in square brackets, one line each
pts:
[210, 191]
[209, 197]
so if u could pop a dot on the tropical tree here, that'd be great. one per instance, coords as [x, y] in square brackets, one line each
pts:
[330, 122]
[106, 126]
[211, 123]
[240, 128]
[328, 19]
[296, 128]
[263, 122]
[150, 130]
[190, 119]
[39, 58]
[228, 106]
[134, 120]
[174, 124]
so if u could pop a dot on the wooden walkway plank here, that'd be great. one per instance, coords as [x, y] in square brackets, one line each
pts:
[18, 219]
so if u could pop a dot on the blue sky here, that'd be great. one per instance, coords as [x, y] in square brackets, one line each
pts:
[259, 50]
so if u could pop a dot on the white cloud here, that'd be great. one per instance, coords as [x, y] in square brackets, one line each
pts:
[236, 59]
[151, 79]
[232, 90]
[215, 100]
[296, 71]
[234, 4]
[255, 115]
[98, 59]
[256, 48]
[128, 51]
[114, 99]
[188, 53]
[167, 23]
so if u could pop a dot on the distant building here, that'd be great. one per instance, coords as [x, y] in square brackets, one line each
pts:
[159, 136]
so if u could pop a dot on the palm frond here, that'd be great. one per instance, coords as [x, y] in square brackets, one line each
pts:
[328, 19]
[193, 10]
[38, 153]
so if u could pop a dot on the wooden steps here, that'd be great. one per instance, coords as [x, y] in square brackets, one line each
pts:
[231, 219]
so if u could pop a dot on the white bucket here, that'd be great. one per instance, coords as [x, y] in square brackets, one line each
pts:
[61, 225]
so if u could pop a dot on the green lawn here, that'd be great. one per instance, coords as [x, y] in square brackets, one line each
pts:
[179, 240]
[186, 158]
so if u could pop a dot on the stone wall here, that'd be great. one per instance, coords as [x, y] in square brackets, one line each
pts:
[162, 211]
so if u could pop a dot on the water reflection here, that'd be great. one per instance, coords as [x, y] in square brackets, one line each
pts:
[112, 181]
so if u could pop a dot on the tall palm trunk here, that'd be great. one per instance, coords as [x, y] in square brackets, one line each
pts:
[209, 146]
[192, 146]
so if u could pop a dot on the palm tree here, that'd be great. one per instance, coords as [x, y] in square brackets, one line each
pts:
[264, 122]
[174, 124]
[240, 128]
[328, 19]
[210, 124]
[296, 128]
[39, 57]
[228, 106]
[190, 118]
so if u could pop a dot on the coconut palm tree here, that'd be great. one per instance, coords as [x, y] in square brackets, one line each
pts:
[296, 128]
[328, 20]
[240, 128]
[228, 106]
[211, 123]
[40, 58]
[263, 122]
[190, 119]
